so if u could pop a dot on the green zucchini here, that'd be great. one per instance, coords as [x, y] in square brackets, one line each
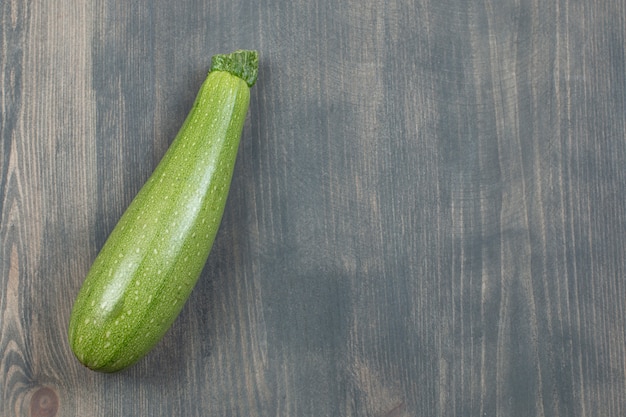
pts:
[152, 259]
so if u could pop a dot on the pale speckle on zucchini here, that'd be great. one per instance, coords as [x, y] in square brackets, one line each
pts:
[151, 261]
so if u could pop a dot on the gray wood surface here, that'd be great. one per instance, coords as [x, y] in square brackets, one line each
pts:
[427, 216]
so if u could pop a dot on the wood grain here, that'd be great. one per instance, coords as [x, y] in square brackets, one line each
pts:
[427, 216]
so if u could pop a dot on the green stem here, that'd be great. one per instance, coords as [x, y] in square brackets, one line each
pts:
[243, 64]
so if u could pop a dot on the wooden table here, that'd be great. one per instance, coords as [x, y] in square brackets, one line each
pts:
[427, 216]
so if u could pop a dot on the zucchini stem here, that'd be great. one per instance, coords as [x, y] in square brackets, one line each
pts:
[242, 63]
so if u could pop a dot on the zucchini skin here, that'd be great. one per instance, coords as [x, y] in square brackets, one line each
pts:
[148, 266]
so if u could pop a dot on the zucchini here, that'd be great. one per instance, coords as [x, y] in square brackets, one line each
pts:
[152, 259]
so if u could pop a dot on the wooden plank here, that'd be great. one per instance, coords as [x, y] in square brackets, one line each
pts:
[426, 219]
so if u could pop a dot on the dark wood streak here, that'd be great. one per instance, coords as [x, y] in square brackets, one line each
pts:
[427, 215]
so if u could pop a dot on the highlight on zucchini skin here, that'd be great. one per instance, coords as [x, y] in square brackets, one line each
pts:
[148, 266]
